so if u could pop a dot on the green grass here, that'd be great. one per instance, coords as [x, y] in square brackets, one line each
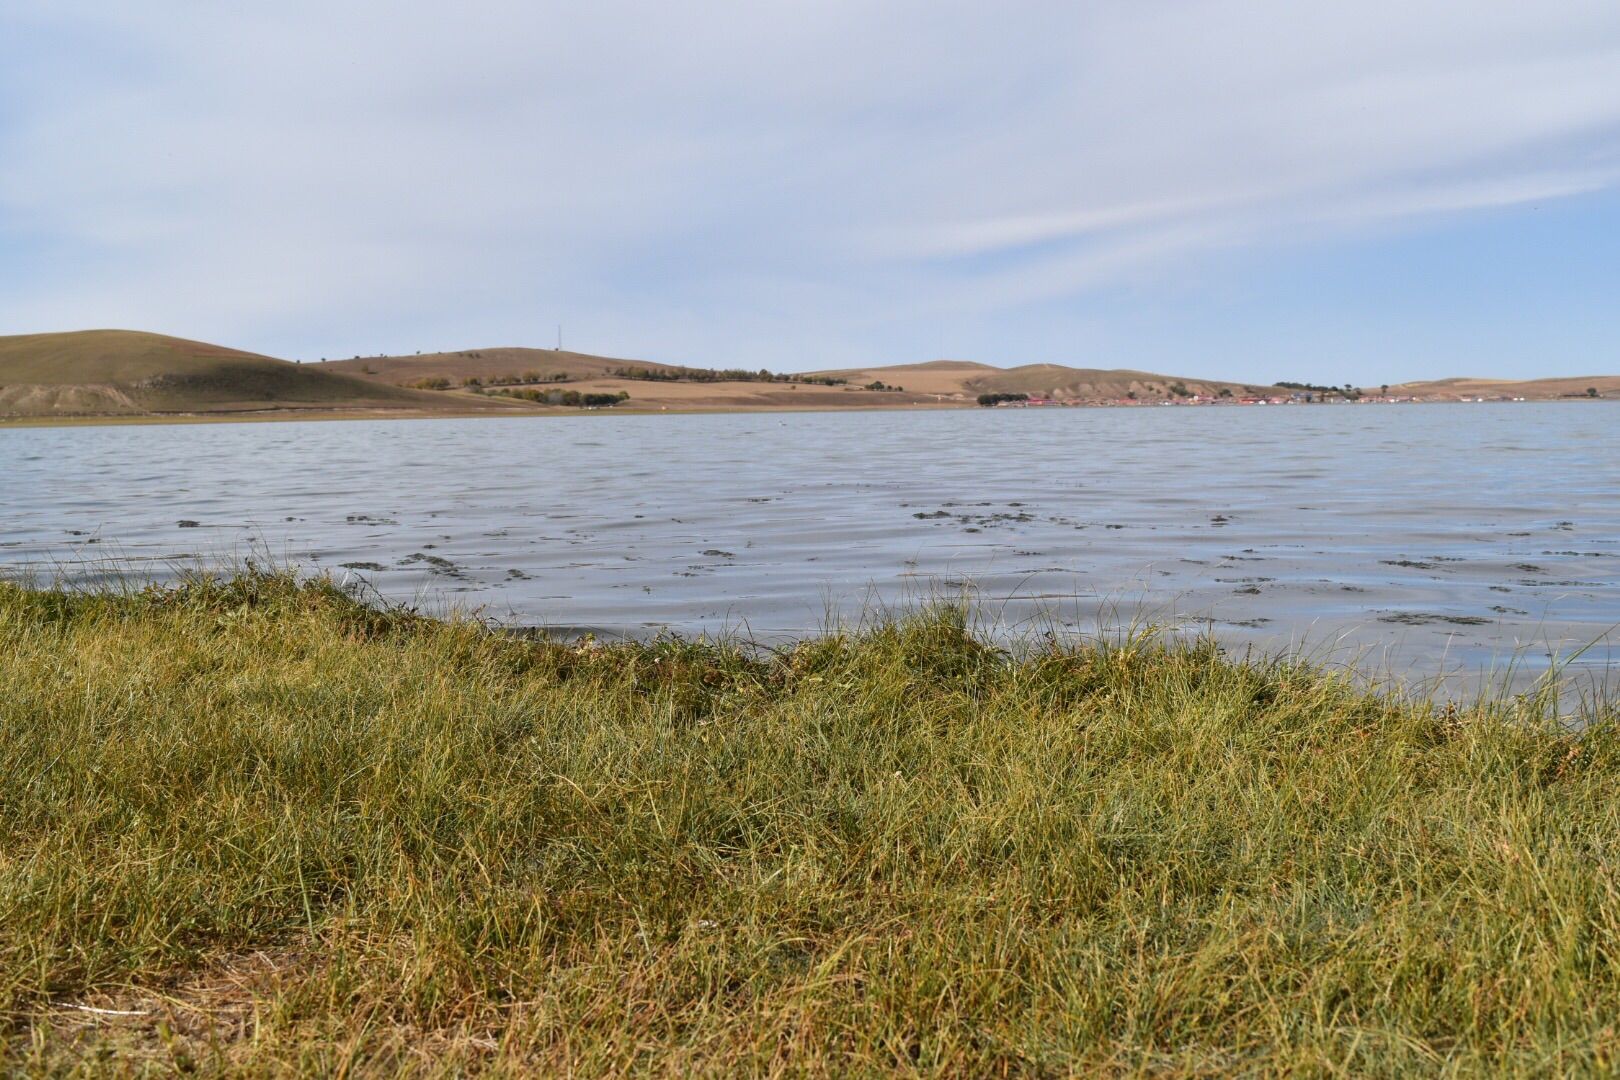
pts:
[289, 833]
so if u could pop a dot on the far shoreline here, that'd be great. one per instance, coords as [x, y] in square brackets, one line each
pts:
[329, 415]
[287, 415]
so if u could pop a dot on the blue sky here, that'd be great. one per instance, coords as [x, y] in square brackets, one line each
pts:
[1254, 189]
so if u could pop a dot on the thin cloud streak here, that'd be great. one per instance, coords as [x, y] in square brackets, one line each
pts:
[746, 183]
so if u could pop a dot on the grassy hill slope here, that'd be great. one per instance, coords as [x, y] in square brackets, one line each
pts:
[967, 379]
[1055, 380]
[129, 373]
[111, 373]
[931, 383]
[588, 373]
[485, 364]
[1557, 387]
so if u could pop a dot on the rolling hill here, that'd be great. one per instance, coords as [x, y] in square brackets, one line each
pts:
[496, 363]
[113, 373]
[591, 374]
[937, 382]
[131, 373]
[1533, 389]
[967, 380]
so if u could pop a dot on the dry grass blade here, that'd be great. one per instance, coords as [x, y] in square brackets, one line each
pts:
[250, 825]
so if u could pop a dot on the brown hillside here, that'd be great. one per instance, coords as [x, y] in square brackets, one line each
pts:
[963, 379]
[131, 373]
[485, 364]
[1093, 384]
[1607, 386]
[589, 374]
[936, 378]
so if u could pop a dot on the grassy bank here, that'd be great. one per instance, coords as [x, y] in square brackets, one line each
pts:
[262, 827]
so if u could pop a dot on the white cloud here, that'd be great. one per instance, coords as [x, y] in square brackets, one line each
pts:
[716, 180]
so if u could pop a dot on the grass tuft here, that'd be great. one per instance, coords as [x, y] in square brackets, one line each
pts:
[250, 824]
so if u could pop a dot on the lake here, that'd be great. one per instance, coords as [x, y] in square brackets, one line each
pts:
[1419, 540]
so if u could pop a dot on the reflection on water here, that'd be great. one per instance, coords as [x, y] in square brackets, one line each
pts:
[1433, 538]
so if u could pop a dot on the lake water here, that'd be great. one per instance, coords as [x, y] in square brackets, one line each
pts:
[1421, 539]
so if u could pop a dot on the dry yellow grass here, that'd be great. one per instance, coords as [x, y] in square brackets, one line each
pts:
[252, 827]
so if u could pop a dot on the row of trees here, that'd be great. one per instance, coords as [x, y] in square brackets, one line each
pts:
[1345, 391]
[571, 398]
[686, 374]
[988, 400]
[473, 382]
[528, 378]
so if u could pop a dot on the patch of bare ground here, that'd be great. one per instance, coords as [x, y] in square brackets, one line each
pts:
[196, 1018]
[270, 1010]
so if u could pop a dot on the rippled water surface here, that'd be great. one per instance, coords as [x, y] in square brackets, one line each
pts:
[1434, 538]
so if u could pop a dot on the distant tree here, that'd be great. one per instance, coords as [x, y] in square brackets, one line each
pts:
[1383, 390]
[1226, 391]
[1180, 389]
[1591, 391]
[1313, 387]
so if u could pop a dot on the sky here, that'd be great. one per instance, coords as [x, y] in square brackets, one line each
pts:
[1365, 191]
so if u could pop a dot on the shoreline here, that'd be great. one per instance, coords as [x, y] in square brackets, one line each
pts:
[333, 415]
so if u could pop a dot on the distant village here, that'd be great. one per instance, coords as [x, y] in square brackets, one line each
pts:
[1226, 399]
